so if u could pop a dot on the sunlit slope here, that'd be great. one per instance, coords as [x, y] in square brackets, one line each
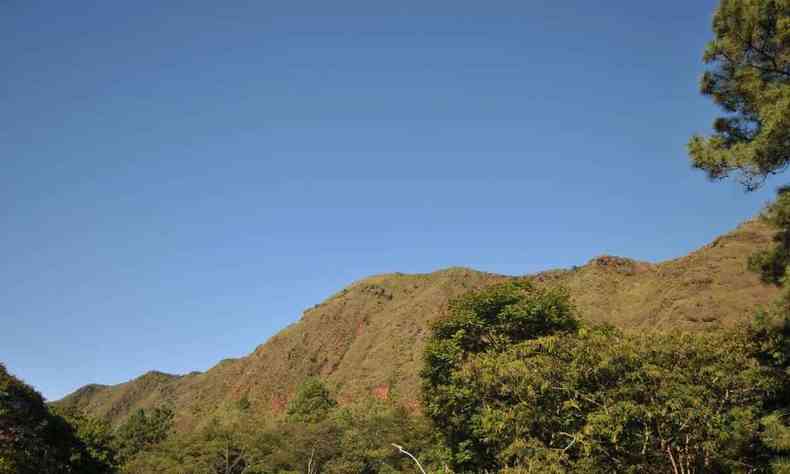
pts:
[368, 339]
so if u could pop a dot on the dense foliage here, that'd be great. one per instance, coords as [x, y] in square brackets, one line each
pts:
[142, 431]
[514, 381]
[772, 328]
[482, 322]
[96, 435]
[750, 79]
[356, 438]
[312, 402]
[771, 263]
[34, 440]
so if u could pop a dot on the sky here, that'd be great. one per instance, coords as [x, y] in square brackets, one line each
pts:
[180, 180]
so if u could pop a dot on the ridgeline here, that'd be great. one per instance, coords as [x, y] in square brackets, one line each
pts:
[368, 339]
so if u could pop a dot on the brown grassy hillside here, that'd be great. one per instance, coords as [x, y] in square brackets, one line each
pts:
[368, 339]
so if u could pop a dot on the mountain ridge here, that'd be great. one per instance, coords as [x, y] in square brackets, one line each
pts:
[367, 339]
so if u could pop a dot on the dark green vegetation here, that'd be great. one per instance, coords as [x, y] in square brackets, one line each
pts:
[750, 80]
[34, 440]
[615, 366]
[311, 403]
[142, 431]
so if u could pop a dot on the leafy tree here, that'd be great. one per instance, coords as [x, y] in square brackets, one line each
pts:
[484, 321]
[34, 440]
[142, 431]
[311, 403]
[771, 328]
[560, 397]
[771, 333]
[777, 437]
[97, 437]
[750, 79]
[771, 263]
[217, 449]
[352, 438]
[298, 446]
[369, 429]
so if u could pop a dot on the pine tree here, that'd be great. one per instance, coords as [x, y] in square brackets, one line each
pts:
[750, 79]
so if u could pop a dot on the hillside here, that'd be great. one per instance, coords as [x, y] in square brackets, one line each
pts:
[368, 338]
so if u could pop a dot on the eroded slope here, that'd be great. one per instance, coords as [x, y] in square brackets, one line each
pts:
[368, 339]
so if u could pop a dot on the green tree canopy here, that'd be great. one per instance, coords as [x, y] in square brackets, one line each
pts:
[34, 440]
[750, 79]
[514, 381]
[771, 263]
[312, 401]
[95, 434]
[354, 438]
[143, 430]
[484, 321]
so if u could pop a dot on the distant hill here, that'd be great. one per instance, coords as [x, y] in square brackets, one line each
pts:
[368, 339]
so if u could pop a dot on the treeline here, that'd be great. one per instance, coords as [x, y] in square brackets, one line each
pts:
[314, 436]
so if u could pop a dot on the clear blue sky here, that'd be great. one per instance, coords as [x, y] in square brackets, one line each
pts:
[181, 181]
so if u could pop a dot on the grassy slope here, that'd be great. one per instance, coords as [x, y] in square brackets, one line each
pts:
[368, 339]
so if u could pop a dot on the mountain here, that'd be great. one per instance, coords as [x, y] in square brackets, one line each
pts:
[367, 340]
